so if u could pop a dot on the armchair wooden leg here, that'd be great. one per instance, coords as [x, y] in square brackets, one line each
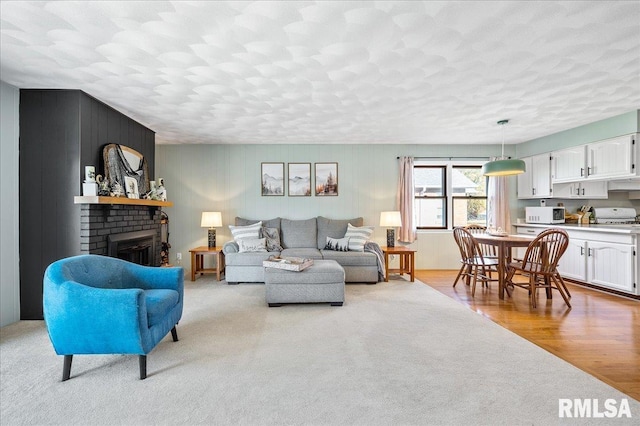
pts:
[143, 367]
[66, 369]
[174, 334]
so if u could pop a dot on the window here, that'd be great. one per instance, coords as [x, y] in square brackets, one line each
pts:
[449, 194]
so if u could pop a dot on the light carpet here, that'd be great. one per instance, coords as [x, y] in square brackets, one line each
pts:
[396, 353]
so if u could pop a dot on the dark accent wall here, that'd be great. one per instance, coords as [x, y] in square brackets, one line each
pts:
[61, 131]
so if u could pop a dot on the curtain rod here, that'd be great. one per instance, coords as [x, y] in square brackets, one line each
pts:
[448, 158]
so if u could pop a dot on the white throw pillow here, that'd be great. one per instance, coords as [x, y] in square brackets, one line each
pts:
[242, 232]
[246, 245]
[358, 236]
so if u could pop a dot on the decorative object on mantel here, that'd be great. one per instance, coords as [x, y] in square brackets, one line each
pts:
[89, 186]
[503, 166]
[211, 220]
[131, 187]
[103, 186]
[161, 191]
[153, 191]
[89, 174]
[121, 161]
[391, 220]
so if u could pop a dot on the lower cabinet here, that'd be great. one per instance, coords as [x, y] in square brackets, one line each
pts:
[608, 260]
[605, 264]
[611, 265]
[573, 263]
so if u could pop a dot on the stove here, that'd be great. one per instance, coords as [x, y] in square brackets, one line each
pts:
[615, 215]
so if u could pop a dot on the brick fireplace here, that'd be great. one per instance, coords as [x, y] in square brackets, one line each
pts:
[129, 232]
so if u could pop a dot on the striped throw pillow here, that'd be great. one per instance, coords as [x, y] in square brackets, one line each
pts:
[358, 236]
[244, 232]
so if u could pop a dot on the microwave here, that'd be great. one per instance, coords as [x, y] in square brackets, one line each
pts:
[544, 214]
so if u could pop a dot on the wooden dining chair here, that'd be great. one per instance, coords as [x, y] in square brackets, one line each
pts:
[539, 265]
[488, 251]
[474, 265]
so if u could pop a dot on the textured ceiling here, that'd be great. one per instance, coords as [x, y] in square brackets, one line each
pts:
[334, 72]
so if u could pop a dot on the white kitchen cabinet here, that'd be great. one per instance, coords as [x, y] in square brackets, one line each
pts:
[611, 265]
[536, 181]
[584, 189]
[612, 158]
[573, 263]
[568, 165]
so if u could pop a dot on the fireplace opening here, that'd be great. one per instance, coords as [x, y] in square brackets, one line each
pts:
[137, 247]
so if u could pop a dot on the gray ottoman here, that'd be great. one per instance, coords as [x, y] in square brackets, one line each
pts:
[321, 282]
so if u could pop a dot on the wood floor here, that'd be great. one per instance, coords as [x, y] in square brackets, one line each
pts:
[600, 334]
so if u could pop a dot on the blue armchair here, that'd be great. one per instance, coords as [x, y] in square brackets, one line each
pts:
[102, 305]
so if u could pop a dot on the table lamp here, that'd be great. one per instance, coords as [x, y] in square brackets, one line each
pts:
[391, 220]
[211, 220]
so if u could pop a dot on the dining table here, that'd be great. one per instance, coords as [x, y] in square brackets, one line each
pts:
[504, 243]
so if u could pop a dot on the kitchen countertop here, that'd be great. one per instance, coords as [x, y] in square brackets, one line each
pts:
[618, 229]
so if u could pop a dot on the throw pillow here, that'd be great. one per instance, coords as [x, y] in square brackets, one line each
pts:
[242, 232]
[272, 235]
[252, 245]
[337, 244]
[358, 236]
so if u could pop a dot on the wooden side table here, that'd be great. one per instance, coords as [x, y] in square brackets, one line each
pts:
[197, 261]
[407, 261]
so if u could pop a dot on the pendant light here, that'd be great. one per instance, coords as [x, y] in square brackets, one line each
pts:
[503, 167]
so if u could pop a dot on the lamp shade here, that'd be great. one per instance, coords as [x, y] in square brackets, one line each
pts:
[211, 220]
[390, 219]
[504, 168]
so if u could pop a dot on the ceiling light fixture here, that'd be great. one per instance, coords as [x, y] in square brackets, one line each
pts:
[503, 166]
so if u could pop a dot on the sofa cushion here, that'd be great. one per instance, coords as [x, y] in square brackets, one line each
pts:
[247, 259]
[272, 236]
[337, 244]
[159, 302]
[248, 231]
[307, 253]
[358, 236]
[334, 228]
[271, 223]
[351, 258]
[252, 245]
[298, 233]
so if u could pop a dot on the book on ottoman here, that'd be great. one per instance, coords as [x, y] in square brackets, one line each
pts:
[296, 264]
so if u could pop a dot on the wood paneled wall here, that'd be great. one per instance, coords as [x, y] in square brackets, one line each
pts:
[61, 131]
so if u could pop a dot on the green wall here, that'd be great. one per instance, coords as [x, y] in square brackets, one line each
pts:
[604, 129]
[226, 178]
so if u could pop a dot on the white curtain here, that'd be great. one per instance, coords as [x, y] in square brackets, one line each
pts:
[405, 201]
[499, 215]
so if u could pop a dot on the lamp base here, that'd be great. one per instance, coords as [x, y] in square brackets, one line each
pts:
[391, 237]
[212, 237]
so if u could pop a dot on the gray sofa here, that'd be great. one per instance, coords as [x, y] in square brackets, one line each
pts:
[302, 238]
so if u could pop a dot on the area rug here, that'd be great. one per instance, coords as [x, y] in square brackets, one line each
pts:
[396, 353]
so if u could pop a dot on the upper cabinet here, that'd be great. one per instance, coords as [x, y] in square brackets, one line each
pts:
[535, 182]
[568, 165]
[614, 158]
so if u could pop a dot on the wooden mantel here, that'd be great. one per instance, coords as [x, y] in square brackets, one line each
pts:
[120, 200]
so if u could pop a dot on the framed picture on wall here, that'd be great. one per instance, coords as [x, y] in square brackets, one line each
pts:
[299, 179]
[326, 179]
[272, 179]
